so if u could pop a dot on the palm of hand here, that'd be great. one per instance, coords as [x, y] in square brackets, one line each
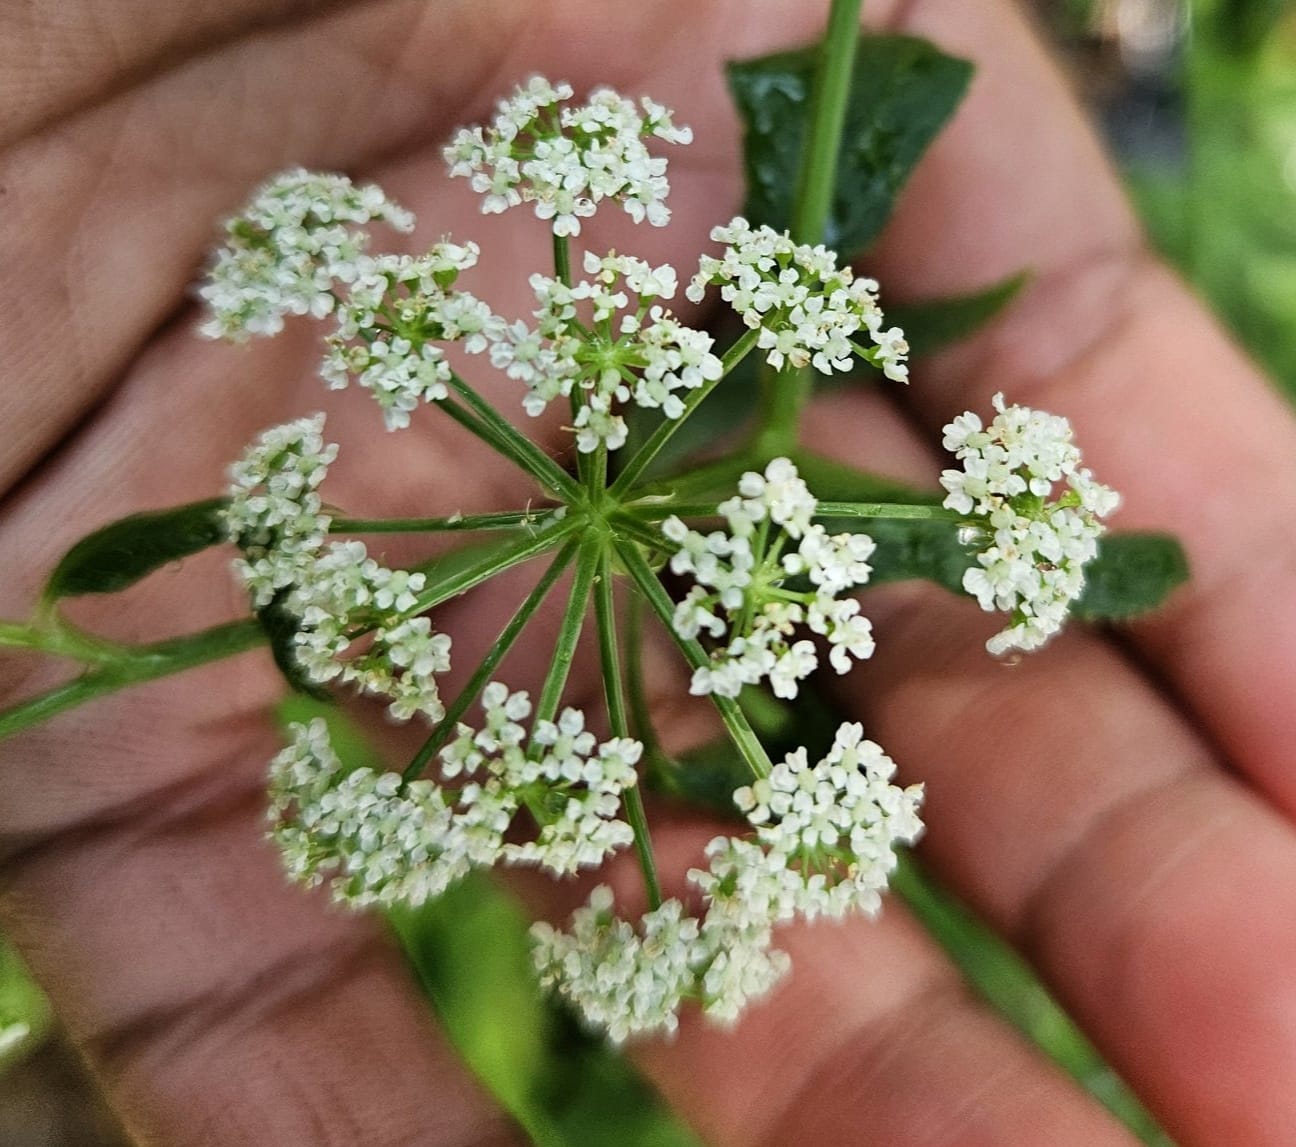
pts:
[1073, 801]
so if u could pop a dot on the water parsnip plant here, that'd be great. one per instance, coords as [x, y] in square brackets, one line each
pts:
[750, 571]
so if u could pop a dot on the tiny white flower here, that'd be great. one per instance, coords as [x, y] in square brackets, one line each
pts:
[566, 159]
[742, 599]
[300, 234]
[809, 311]
[1032, 551]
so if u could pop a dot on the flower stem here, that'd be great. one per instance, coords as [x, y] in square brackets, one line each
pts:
[504, 519]
[827, 118]
[512, 442]
[62, 640]
[784, 393]
[562, 272]
[666, 428]
[736, 723]
[656, 511]
[569, 631]
[640, 710]
[139, 663]
[609, 655]
[483, 673]
[495, 562]
[562, 259]
[889, 510]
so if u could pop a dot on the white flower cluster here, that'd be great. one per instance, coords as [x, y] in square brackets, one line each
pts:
[828, 832]
[809, 311]
[570, 783]
[742, 596]
[346, 595]
[274, 511]
[645, 356]
[825, 846]
[385, 840]
[294, 241]
[334, 590]
[382, 841]
[1032, 563]
[567, 159]
[390, 321]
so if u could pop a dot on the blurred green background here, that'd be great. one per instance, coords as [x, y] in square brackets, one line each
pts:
[1199, 102]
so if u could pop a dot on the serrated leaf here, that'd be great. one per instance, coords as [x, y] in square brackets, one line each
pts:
[125, 551]
[1133, 573]
[903, 90]
[937, 323]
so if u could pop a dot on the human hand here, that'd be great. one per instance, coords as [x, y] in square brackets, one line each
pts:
[221, 1005]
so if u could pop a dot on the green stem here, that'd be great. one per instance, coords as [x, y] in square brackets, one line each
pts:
[744, 736]
[494, 563]
[645, 535]
[478, 428]
[562, 259]
[483, 673]
[818, 178]
[512, 442]
[569, 632]
[632, 798]
[504, 519]
[562, 272]
[62, 640]
[784, 393]
[640, 711]
[891, 510]
[666, 428]
[596, 470]
[141, 663]
[656, 511]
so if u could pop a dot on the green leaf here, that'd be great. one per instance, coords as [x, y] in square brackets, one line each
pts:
[903, 91]
[280, 628]
[931, 325]
[24, 1010]
[916, 549]
[1132, 574]
[834, 481]
[120, 554]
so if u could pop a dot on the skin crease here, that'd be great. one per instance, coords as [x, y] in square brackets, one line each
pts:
[1118, 806]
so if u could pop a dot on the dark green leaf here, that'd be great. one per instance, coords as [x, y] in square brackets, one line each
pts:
[905, 550]
[903, 91]
[280, 627]
[125, 551]
[834, 481]
[937, 323]
[1132, 574]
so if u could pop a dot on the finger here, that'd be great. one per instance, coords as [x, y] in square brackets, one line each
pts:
[1072, 804]
[56, 58]
[1166, 410]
